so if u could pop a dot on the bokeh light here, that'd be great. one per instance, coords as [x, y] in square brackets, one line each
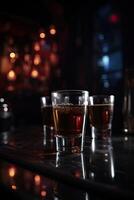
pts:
[42, 35]
[52, 30]
[34, 73]
[11, 75]
[12, 55]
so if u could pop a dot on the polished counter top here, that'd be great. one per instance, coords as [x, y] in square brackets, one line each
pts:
[96, 173]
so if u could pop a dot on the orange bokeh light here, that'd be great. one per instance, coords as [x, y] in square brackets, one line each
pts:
[12, 171]
[36, 46]
[37, 179]
[11, 75]
[34, 73]
[54, 58]
[43, 193]
[14, 187]
[12, 55]
[37, 59]
[42, 35]
[52, 31]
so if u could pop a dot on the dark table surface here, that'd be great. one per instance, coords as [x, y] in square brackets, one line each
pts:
[35, 171]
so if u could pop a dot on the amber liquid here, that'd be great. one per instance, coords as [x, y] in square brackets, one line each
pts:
[69, 120]
[47, 116]
[100, 115]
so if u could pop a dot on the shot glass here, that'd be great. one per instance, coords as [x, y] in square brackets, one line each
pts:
[47, 120]
[100, 111]
[47, 111]
[69, 111]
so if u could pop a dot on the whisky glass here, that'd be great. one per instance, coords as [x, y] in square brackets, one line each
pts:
[69, 112]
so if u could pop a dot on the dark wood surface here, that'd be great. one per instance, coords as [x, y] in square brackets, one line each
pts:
[107, 172]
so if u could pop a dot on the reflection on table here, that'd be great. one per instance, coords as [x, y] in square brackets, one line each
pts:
[40, 172]
[28, 185]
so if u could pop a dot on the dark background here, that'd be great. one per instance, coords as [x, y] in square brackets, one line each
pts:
[78, 25]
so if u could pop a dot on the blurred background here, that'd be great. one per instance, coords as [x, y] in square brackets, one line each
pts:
[47, 45]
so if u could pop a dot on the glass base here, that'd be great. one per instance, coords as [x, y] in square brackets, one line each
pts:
[48, 134]
[102, 134]
[101, 139]
[48, 140]
[69, 145]
[100, 145]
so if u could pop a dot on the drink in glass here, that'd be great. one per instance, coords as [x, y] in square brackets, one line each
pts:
[101, 114]
[47, 112]
[69, 120]
[69, 111]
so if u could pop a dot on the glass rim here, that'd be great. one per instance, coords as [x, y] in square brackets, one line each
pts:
[102, 95]
[45, 101]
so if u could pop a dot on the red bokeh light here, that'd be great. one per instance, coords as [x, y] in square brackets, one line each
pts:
[114, 18]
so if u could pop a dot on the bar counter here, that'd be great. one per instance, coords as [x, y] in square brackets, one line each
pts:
[30, 170]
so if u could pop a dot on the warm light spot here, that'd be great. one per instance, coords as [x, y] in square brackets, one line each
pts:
[5, 65]
[12, 171]
[34, 73]
[14, 187]
[27, 57]
[37, 59]
[43, 193]
[42, 35]
[36, 46]
[37, 179]
[52, 31]
[10, 88]
[54, 58]
[12, 55]
[11, 75]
